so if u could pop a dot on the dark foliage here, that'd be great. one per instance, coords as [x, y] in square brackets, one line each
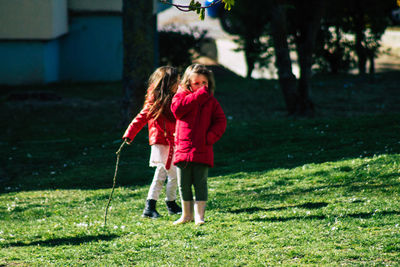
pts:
[179, 47]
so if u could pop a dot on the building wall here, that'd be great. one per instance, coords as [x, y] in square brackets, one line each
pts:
[44, 41]
[29, 40]
[98, 5]
[33, 19]
[28, 62]
[92, 50]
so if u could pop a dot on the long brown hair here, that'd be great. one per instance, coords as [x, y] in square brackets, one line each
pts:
[163, 84]
[198, 69]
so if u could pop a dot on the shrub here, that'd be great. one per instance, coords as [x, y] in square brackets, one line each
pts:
[179, 47]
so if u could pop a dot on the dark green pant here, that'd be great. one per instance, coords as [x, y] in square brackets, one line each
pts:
[192, 174]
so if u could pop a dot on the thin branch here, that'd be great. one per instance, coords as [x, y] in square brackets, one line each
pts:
[187, 8]
[181, 9]
[114, 181]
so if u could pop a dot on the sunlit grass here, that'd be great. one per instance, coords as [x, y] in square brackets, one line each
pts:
[335, 212]
[284, 191]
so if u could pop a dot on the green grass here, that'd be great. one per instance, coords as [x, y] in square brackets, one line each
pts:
[286, 191]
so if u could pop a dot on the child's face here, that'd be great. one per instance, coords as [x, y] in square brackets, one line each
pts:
[197, 81]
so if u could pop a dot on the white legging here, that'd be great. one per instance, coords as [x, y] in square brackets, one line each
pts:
[160, 175]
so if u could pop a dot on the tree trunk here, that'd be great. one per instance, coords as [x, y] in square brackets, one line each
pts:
[139, 23]
[371, 63]
[371, 58]
[283, 63]
[360, 38]
[336, 55]
[248, 53]
[308, 26]
[360, 51]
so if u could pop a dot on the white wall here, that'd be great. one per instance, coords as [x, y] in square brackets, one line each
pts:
[33, 19]
[95, 5]
[101, 5]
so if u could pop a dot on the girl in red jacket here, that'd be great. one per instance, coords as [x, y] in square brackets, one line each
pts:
[200, 122]
[157, 114]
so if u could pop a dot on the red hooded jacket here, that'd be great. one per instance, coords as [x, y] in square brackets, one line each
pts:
[161, 130]
[200, 122]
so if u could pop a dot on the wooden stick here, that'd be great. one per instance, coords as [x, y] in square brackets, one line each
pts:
[114, 181]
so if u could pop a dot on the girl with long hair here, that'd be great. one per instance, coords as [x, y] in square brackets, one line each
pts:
[156, 112]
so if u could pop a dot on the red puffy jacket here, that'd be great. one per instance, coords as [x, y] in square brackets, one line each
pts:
[161, 130]
[200, 122]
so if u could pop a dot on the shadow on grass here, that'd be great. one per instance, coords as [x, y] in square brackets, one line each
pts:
[308, 205]
[351, 187]
[256, 140]
[63, 241]
[361, 215]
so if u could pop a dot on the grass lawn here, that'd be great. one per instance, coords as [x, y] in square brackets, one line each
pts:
[319, 191]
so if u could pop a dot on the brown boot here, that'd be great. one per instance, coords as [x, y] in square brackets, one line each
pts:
[187, 213]
[199, 211]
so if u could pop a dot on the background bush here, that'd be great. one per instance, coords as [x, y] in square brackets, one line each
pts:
[178, 47]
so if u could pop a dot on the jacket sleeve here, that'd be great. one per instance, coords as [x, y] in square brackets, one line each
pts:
[184, 101]
[137, 124]
[218, 125]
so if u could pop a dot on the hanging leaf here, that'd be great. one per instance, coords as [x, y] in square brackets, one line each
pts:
[229, 3]
[202, 14]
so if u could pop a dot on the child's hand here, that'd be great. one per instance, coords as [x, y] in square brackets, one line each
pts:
[128, 141]
[204, 87]
[182, 88]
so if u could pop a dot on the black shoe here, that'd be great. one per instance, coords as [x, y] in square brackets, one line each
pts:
[173, 208]
[150, 209]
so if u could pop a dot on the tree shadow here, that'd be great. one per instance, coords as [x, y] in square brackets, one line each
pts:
[307, 205]
[63, 241]
[260, 145]
[352, 186]
[361, 215]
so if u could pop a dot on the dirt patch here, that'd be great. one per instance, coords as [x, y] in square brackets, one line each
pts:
[388, 61]
[33, 95]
